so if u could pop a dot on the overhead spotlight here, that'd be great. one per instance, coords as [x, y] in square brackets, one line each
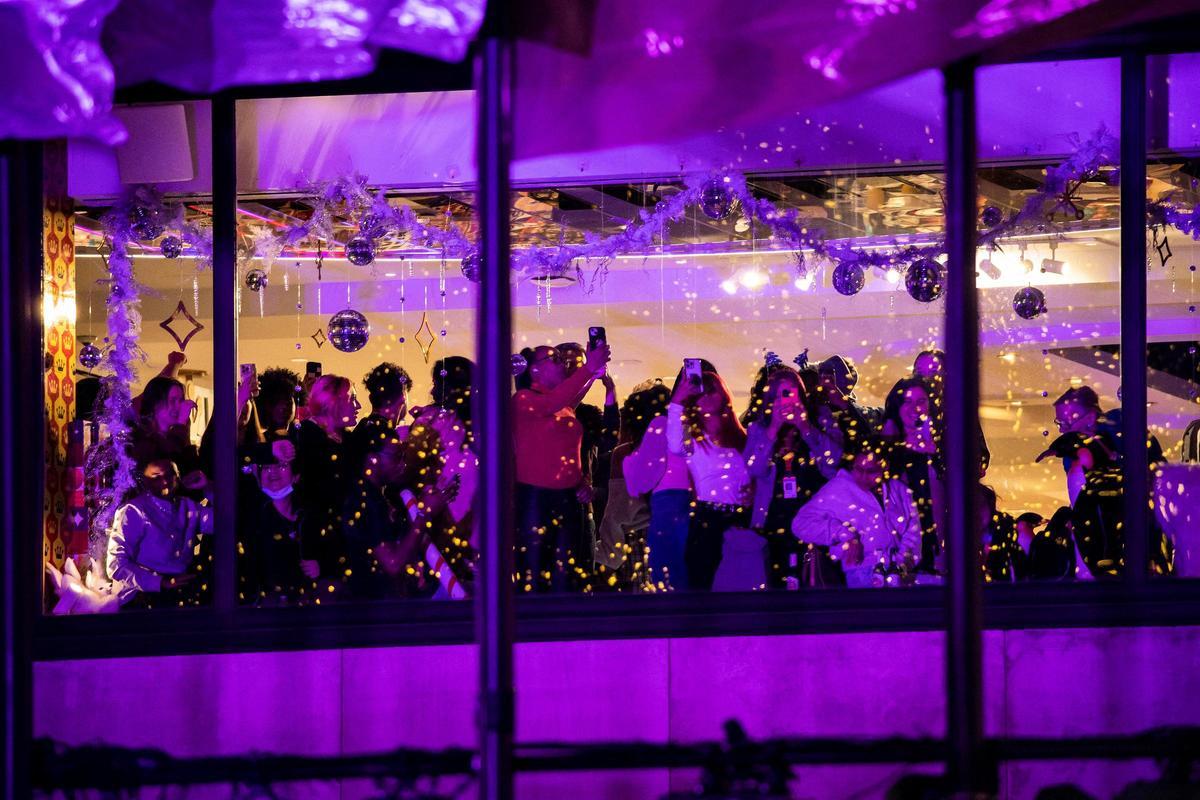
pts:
[1051, 264]
[753, 278]
[987, 267]
[1026, 263]
[893, 275]
[804, 282]
[729, 285]
[741, 225]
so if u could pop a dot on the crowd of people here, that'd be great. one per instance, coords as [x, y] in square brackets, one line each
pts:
[669, 488]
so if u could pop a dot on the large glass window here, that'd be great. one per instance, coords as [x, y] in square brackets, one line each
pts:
[1172, 321]
[1050, 298]
[356, 336]
[127, 311]
[730, 379]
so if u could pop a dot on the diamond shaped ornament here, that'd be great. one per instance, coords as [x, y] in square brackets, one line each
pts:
[1164, 249]
[172, 321]
[319, 338]
[426, 341]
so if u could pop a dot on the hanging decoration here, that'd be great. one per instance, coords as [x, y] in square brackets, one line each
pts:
[715, 195]
[848, 278]
[256, 280]
[319, 338]
[716, 200]
[470, 266]
[924, 280]
[171, 247]
[145, 222]
[349, 330]
[1029, 303]
[519, 364]
[360, 250]
[424, 336]
[168, 325]
[90, 356]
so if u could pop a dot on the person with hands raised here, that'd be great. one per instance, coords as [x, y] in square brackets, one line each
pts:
[703, 428]
[779, 457]
[551, 551]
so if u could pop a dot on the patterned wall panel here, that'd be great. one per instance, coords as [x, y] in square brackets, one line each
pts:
[61, 534]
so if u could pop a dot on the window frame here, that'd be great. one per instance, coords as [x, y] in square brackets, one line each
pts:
[227, 627]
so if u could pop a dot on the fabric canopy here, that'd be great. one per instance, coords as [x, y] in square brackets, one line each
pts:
[63, 58]
[633, 71]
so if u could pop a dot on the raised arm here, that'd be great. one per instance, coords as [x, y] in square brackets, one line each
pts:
[646, 466]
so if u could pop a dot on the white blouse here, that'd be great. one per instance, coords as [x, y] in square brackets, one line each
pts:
[719, 474]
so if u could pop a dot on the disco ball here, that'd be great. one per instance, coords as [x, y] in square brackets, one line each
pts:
[348, 330]
[470, 265]
[716, 201]
[519, 364]
[924, 280]
[171, 247]
[848, 278]
[991, 216]
[256, 280]
[360, 251]
[1029, 303]
[90, 356]
[145, 223]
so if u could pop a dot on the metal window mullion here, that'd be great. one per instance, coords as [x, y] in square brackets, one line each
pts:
[966, 767]
[22, 429]
[225, 327]
[495, 618]
[1134, 426]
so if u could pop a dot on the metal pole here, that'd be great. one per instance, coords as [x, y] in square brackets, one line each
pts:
[21, 429]
[225, 336]
[495, 620]
[1136, 497]
[964, 685]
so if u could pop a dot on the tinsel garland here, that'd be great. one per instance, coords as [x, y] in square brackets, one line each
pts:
[113, 460]
[1048, 210]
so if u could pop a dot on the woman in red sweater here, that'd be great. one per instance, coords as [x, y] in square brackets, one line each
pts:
[551, 551]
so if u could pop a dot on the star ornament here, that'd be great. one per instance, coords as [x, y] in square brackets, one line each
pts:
[169, 324]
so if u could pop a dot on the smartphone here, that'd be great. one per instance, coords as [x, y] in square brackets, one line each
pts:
[249, 374]
[313, 368]
[693, 370]
[596, 335]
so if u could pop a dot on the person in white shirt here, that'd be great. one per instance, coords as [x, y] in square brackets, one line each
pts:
[152, 544]
[703, 428]
[867, 519]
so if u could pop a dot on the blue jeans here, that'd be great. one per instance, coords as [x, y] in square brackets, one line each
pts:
[670, 511]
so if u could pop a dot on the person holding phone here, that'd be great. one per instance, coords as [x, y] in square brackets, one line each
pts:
[779, 457]
[552, 553]
[703, 428]
[653, 469]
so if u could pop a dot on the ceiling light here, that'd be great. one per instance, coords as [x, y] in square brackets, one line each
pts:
[988, 268]
[1009, 358]
[729, 285]
[1051, 264]
[742, 225]
[754, 278]
[804, 282]
[893, 275]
